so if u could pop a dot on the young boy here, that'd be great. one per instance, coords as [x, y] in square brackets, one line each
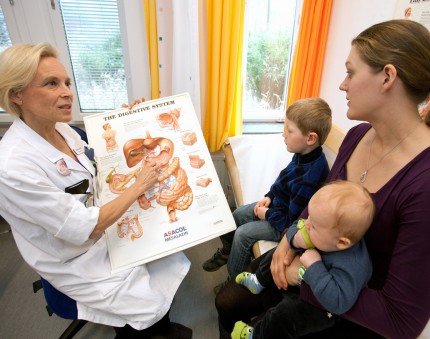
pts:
[334, 258]
[308, 123]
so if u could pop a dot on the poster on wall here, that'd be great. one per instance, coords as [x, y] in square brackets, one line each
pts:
[186, 206]
[417, 10]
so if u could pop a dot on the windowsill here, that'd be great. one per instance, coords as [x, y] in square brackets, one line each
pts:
[248, 127]
[262, 127]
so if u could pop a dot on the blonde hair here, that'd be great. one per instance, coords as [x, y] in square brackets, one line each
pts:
[351, 206]
[18, 67]
[311, 115]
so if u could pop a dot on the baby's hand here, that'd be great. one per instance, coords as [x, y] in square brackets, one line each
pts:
[309, 257]
[298, 241]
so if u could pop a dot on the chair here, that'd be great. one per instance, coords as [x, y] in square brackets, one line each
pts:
[81, 133]
[61, 305]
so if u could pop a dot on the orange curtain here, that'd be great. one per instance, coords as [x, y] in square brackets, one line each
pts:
[152, 39]
[225, 22]
[306, 70]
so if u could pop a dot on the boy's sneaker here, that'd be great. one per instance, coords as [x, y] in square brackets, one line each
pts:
[216, 262]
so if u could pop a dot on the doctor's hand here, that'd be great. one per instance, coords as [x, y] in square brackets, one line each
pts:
[285, 265]
[147, 177]
[133, 103]
[110, 212]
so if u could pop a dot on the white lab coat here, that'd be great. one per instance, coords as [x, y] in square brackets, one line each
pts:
[51, 229]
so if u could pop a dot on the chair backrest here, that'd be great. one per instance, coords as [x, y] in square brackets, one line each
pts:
[88, 151]
[81, 132]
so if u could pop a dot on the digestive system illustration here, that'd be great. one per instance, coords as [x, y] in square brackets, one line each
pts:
[173, 190]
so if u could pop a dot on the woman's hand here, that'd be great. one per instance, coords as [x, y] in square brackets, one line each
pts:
[292, 272]
[284, 266]
[133, 103]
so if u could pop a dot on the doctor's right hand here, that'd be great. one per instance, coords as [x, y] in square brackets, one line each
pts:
[148, 176]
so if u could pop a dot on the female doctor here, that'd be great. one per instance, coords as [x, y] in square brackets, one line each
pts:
[46, 195]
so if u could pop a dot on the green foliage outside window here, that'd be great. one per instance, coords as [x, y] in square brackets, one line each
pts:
[100, 61]
[4, 34]
[268, 56]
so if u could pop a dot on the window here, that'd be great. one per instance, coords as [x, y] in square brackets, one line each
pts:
[269, 31]
[94, 43]
[4, 33]
[4, 38]
[92, 39]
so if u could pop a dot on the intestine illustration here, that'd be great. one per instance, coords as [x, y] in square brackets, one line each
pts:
[173, 189]
[129, 226]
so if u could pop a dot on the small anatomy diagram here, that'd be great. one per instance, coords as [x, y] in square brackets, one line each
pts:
[109, 136]
[170, 119]
[129, 228]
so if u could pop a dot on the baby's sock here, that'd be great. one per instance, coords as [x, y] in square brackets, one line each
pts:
[250, 281]
[242, 331]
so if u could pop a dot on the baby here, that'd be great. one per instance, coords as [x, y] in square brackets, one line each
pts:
[334, 259]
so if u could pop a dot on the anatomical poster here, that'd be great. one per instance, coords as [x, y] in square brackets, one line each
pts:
[185, 207]
[417, 10]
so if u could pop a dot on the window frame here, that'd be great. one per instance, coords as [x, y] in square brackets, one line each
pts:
[272, 123]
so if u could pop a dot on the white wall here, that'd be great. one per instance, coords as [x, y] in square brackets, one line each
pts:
[348, 19]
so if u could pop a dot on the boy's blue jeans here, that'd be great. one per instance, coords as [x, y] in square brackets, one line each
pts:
[249, 230]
